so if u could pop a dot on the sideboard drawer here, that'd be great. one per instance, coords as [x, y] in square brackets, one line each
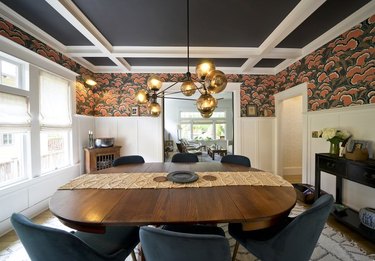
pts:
[361, 174]
[331, 165]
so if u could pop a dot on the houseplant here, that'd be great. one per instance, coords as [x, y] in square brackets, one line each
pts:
[335, 136]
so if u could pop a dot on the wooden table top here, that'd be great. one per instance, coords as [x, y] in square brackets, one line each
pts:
[93, 209]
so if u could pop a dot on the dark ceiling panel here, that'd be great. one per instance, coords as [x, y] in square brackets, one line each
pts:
[327, 16]
[41, 14]
[222, 62]
[100, 61]
[269, 63]
[237, 23]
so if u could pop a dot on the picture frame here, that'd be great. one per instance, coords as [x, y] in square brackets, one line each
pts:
[251, 110]
[135, 111]
[359, 144]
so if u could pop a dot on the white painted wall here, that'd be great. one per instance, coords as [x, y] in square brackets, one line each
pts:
[291, 136]
[136, 135]
[360, 122]
[258, 143]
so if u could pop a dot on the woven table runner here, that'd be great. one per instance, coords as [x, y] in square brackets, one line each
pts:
[146, 180]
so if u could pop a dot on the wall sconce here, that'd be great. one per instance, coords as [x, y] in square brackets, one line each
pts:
[90, 82]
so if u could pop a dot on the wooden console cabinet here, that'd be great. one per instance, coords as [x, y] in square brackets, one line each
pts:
[100, 158]
[362, 172]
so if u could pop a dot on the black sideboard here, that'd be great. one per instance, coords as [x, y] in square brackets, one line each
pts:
[362, 172]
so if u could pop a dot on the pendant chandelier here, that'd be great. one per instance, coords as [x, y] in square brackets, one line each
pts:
[211, 81]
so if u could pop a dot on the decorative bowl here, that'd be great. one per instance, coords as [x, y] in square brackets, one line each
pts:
[367, 217]
[104, 142]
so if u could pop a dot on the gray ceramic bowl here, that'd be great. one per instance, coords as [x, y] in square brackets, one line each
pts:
[104, 142]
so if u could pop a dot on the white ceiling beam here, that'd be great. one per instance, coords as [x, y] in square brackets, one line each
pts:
[299, 14]
[25, 25]
[75, 17]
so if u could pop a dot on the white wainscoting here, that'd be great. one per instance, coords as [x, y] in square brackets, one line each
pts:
[136, 135]
[360, 122]
[31, 197]
[257, 141]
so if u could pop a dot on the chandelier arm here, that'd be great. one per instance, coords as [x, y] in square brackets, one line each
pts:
[170, 86]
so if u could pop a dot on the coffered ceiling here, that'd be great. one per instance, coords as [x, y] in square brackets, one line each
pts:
[240, 36]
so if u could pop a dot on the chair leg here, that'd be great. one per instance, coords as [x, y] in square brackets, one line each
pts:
[235, 250]
[133, 256]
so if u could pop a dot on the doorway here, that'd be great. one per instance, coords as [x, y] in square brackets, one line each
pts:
[291, 133]
[177, 125]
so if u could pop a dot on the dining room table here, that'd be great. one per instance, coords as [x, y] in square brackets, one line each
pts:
[143, 194]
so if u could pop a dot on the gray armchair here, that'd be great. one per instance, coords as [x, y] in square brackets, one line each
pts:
[46, 243]
[294, 239]
[159, 244]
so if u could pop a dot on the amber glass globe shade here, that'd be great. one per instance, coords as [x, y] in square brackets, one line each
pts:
[188, 88]
[206, 103]
[203, 68]
[215, 81]
[154, 109]
[154, 83]
[207, 115]
[142, 97]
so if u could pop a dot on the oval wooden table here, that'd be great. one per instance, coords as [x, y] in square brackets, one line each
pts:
[93, 209]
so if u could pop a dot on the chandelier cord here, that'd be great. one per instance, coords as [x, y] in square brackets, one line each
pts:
[188, 37]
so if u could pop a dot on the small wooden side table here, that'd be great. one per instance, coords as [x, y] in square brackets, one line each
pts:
[100, 158]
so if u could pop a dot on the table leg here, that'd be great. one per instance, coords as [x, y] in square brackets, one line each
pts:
[213, 155]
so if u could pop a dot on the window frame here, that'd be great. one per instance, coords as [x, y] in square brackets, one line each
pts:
[22, 71]
[191, 121]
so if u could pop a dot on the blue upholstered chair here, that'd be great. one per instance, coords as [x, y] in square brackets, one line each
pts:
[158, 244]
[131, 159]
[294, 239]
[236, 159]
[185, 157]
[46, 243]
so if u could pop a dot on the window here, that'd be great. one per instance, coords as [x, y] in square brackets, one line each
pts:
[202, 131]
[14, 133]
[55, 118]
[194, 127]
[11, 71]
[220, 131]
[7, 139]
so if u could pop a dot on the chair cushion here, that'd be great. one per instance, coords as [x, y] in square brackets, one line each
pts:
[114, 239]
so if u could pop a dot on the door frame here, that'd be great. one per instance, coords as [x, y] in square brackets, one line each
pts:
[299, 90]
[235, 88]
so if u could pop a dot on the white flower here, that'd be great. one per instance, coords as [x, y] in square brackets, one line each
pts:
[328, 133]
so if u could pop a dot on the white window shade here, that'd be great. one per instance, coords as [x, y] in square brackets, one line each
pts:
[14, 110]
[54, 101]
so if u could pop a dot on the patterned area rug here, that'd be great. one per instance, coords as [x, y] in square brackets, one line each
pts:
[332, 245]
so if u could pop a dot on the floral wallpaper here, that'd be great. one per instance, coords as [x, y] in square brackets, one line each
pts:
[341, 73]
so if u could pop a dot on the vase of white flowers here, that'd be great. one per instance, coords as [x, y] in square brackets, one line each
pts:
[335, 136]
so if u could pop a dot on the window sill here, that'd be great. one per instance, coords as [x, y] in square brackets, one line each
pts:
[29, 182]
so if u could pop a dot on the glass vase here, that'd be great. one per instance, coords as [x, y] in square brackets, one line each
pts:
[334, 148]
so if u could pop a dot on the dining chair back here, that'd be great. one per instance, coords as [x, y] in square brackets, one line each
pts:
[236, 159]
[131, 159]
[185, 157]
[294, 239]
[158, 244]
[47, 243]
